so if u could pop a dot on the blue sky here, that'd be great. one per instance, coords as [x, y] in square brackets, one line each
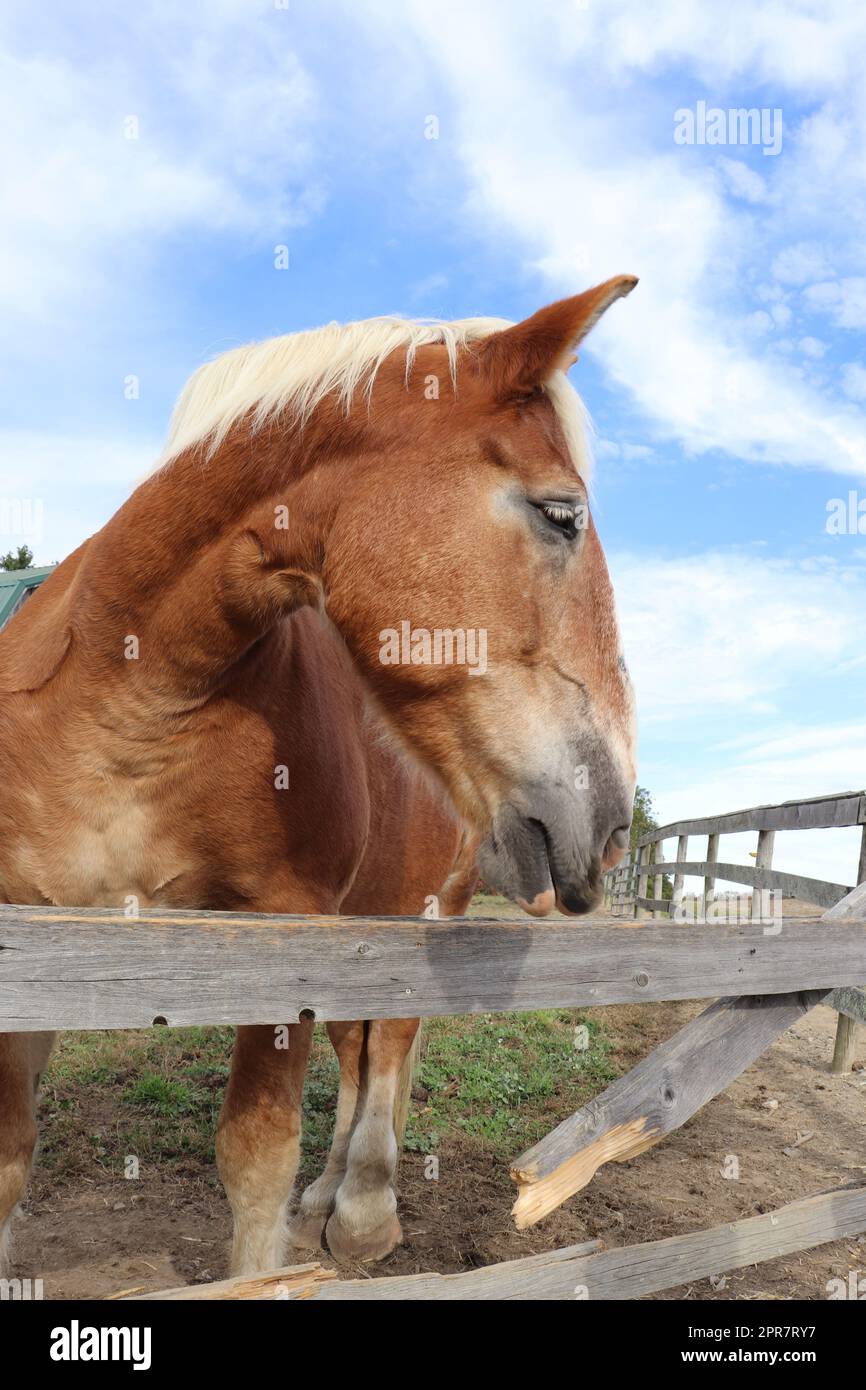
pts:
[727, 391]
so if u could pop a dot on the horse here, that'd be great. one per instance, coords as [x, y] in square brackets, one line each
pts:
[203, 706]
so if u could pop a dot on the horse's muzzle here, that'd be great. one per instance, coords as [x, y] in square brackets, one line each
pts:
[552, 861]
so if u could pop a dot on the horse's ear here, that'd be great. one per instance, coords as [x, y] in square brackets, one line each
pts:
[263, 578]
[518, 360]
[34, 645]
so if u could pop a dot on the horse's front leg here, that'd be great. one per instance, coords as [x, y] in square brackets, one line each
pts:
[259, 1138]
[364, 1224]
[22, 1059]
[307, 1226]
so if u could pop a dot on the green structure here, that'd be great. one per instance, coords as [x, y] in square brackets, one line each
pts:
[16, 586]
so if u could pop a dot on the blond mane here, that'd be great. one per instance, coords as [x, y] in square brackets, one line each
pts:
[293, 373]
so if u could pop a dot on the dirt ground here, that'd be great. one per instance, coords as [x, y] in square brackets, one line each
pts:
[794, 1128]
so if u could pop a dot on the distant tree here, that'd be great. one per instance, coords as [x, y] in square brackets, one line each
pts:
[643, 819]
[22, 561]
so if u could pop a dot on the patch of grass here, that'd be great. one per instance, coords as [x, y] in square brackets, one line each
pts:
[320, 1099]
[502, 1077]
[154, 1094]
[160, 1094]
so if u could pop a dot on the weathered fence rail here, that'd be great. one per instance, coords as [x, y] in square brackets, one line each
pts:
[627, 886]
[66, 969]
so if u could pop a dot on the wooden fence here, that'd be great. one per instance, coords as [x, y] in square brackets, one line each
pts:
[627, 891]
[71, 969]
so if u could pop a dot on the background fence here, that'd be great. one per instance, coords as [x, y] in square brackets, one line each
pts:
[627, 886]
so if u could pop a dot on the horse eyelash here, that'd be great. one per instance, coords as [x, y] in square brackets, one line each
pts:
[558, 512]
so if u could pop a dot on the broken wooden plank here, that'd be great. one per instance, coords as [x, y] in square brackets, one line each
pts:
[627, 1272]
[69, 968]
[303, 1281]
[654, 1098]
[851, 907]
[278, 1283]
[669, 1085]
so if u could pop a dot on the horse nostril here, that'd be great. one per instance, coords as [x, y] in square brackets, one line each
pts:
[619, 837]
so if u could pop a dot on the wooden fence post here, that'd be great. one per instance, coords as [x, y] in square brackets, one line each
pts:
[679, 881]
[709, 881]
[624, 873]
[845, 1045]
[617, 891]
[658, 880]
[763, 860]
[642, 881]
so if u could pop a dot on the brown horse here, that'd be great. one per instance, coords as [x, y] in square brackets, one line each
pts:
[357, 620]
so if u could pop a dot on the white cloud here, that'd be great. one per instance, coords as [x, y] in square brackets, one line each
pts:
[224, 115]
[622, 449]
[722, 631]
[423, 289]
[812, 347]
[843, 301]
[70, 485]
[798, 264]
[815, 44]
[764, 769]
[758, 323]
[854, 381]
[722, 642]
[56, 460]
[743, 182]
[558, 165]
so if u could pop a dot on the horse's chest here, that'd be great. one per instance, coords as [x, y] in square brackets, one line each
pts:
[114, 850]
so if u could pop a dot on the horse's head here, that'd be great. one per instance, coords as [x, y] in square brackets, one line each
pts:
[464, 571]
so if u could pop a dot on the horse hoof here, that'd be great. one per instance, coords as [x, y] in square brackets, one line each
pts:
[362, 1246]
[306, 1230]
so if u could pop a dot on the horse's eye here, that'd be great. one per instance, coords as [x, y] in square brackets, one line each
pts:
[561, 515]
